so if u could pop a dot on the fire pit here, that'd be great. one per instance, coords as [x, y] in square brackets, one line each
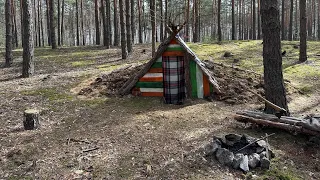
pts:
[240, 151]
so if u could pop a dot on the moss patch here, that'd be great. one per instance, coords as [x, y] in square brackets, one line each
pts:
[52, 94]
[82, 63]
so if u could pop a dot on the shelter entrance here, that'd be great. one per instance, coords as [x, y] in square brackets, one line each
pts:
[173, 79]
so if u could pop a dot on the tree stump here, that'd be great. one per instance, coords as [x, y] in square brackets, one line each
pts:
[31, 119]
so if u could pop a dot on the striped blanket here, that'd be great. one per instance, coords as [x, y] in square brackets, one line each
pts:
[173, 79]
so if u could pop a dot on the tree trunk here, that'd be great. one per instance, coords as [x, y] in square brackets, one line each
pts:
[62, 21]
[128, 26]
[291, 21]
[254, 37]
[59, 28]
[161, 20]
[187, 23]
[140, 22]
[14, 21]
[240, 21]
[82, 22]
[196, 22]
[35, 23]
[219, 21]
[104, 25]
[96, 10]
[133, 23]
[153, 25]
[123, 31]
[28, 48]
[8, 18]
[318, 20]
[52, 25]
[48, 22]
[282, 21]
[303, 31]
[233, 35]
[166, 16]
[108, 16]
[77, 23]
[272, 59]
[259, 21]
[41, 22]
[116, 24]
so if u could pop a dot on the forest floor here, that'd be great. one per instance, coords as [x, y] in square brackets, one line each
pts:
[135, 137]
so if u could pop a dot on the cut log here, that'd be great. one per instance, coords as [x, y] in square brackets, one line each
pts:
[287, 127]
[284, 119]
[31, 119]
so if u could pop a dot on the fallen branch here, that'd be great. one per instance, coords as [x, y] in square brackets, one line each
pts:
[255, 142]
[91, 149]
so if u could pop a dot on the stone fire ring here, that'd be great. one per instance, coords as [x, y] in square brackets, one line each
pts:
[226, 151]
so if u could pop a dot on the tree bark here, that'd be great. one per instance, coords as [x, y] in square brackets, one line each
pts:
[272, 59]
[259, 21]
[318, 20]
[82, 22]
[14, 21]
[35, 23]
[187, 19]
[59, 27]
[240, 20]
[116, 24]
[104, 24]
[128, 26]
[52, 25]
[291, 21]
[62, 23]
[303, 31]
[48, 22]
[283, 37]
[96, 6]
[233, 35]
[254, 37]
[77, 23]
[140, 22]
[123, 31]
[219, 21]
[153, 25]
[8, 19]
[41, 22]
[133, 23]
[28, 48]
[196, 22]
[108, 16]
[161, 21]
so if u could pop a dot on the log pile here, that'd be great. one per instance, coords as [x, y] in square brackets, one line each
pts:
[309, 125]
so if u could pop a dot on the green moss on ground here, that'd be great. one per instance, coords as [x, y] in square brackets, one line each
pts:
[52, 94]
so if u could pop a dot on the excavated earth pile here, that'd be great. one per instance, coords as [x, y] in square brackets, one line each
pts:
[234, 83]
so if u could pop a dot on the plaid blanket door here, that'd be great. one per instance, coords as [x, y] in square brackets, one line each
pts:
[173, 79]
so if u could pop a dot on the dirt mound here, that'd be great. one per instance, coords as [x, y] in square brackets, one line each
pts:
[234, 83]
[109, 84]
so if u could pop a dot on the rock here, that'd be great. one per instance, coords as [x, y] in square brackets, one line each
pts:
[246, 139]
[224, 156]
[244, 164]
[215, 145]
[253, 160]
[263, 154]
[237, 160]
[265, 163]
[260, 150]
[208, 150]
[231, 139]
[227, 54]
[262, 143]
